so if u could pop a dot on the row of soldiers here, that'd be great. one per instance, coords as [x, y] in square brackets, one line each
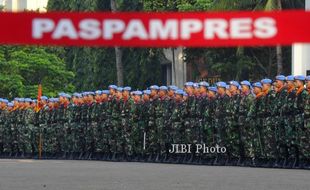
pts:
[262, 122]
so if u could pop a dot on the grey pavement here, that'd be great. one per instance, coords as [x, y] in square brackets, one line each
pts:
[95, 175]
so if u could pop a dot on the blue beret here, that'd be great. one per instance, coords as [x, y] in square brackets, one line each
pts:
[120, 89]
[290, 78]
[105, 92]
[99, 92]
[21, 99]
[185, 94]
[235, 83]
[308, 78]
[127, 88]
[212, 88]
[44, 98]
[221, 84]
[78, 95]
[163, 88]
[280, 77]
[90, 93]
[15, 99]
[154, 87]
[266, 81]
[113, 86]
[245, 82]
[28, 100]
[196, 85]
[179, 91]
[11, 104]
[137, 92]
[189, 84]
[203, 83]
[257, 84]
[67, 96]
[5, 101]
[148, 92]
[174, 88]
[61, 94]
[300, 77]
[1, 99]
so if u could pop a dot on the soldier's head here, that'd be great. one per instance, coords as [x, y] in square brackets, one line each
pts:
[90, 97]
[126, 91]
[179, 95]
[257, 88]
[234, 87]
[189, 89]
[112, 89]
[154, 91]
[266, 84]
[228, 93]
[105, 95]
[98, 96]
[10, 106]
[280, 81]
[75, 98]
[212, 92]
[289, 83]
[43, 100]
[50, 103]
[185, 96]
[203, 88]
[171, 91]
[119, 93]
[3, 103]
[299, 81]
[221, 88]
[162, 91]
[137, 96]
[308, 82]
[146, 95]
[245, 87]
[27, 102]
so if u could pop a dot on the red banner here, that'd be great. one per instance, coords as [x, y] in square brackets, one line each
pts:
[148, 29]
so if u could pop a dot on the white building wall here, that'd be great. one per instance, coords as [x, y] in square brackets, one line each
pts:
[301, 55]
[21, 5]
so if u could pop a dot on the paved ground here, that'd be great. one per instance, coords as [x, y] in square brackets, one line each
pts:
[93, 175]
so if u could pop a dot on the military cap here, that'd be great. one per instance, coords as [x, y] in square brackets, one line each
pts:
[308, 78]
[235, 83]
[212, 88]
[221, 84]
[137, 92]
[91, 93]
[280, 77]
[1, 99]
[28, 100]
[21, 99]
[105, 92]
[75, 94]
[300, 77]
[67, 96]
[85, 93]
[245, 82]
[174, 88]
[257, 84]
[154, 87]
[163, 88]
[112, 86]
[179, 91]
[227, 86]
[5, 101]
[127, 88]
[148, 92]
[98, 92]
[266, 81]
[44, 98]
[61, 94]
[290, 78]
[204, 83]
[196, 85]
[120, 89]
[189, 84]
[15, 99]
[10, 104]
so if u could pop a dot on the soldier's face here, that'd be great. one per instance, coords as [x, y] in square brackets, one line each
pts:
[211, 94]
[189, 89]
[112, 91]
[146, 97]
[97, 97]
[162, 93]
[126, 93]
[279, 84]
[137, 98]
[104, 96]
[153, 92]
[203, 90]
[257, 90]
[178, 97]
[298, 83]
[170, 93]
[290, 84]
[308, 84]
[266, 87]
[221, 90]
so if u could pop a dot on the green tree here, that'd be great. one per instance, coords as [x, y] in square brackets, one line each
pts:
[23, 68]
